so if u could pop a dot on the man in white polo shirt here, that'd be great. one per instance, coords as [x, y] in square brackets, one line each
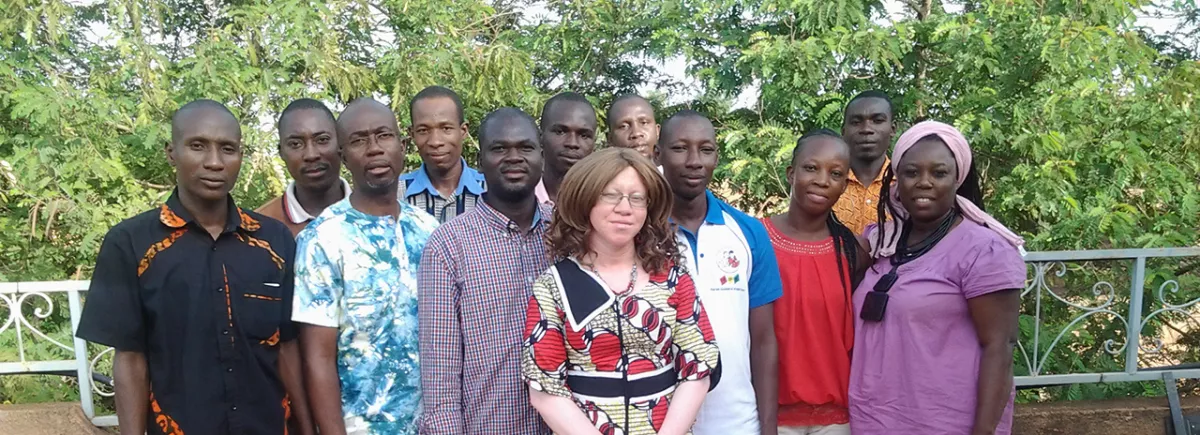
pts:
[308, 145]
[733, 264]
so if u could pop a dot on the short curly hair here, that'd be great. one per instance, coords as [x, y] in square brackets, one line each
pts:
[655, 243]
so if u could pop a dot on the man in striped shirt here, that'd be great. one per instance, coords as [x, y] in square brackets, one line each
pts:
[444, 186]
[474, 283]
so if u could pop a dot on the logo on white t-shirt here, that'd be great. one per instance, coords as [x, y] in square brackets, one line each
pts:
[730, 267]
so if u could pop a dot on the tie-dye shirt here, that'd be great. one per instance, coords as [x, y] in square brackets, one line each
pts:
[357, 272]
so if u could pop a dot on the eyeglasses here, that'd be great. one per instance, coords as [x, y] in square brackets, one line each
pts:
[636, 200]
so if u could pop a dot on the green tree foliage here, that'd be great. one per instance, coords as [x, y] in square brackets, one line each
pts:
[86, 93]
[1085, 128]
[1085, 125]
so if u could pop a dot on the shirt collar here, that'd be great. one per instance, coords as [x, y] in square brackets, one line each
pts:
[471, 181]
[887, 161]
[353, 214]
[713, 213]
[543, 197]
[172, 214]
[296, 212]
[541, 215]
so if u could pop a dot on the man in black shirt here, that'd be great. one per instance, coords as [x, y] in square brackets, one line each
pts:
[196, 297]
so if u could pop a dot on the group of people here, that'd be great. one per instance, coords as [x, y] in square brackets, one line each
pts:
[558, 288]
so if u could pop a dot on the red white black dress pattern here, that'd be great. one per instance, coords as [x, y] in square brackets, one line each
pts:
[619, 357]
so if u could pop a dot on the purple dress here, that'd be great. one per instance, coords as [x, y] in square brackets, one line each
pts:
[916, 371]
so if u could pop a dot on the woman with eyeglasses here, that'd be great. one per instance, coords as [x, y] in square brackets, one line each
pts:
[616, 339]
[937, 310]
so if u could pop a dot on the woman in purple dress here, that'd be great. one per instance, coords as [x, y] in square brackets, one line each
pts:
[936, 315]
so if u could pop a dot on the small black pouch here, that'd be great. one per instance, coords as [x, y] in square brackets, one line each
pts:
[875, 303]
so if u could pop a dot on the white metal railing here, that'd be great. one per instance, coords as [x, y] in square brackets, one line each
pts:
[34, 300]
[1104, 301]
[37, 296]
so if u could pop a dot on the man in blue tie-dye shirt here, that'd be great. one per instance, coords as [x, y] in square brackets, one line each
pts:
[355, 292]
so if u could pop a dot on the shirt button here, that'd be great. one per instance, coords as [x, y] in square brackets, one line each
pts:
[214, 247]
[230, 370]
[220, 289]
[234, 408]
[225, 332]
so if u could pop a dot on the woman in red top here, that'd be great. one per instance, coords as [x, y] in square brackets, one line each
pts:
[819, 260]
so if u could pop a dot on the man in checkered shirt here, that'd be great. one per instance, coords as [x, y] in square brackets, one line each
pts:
[474, 285]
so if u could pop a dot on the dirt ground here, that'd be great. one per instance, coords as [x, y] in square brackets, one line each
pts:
[45, 419]
[1142, 416]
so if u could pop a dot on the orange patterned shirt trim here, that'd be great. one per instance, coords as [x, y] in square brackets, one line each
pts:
[262, 297]
[248, 223]
[258, 243]
[164, 421]
[857, 207]
[169, 218]
[273, 340]
[158, 247]
[228, 303]
[287, 407]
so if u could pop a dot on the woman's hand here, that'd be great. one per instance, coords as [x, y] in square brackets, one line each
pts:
[561, 414]
[685, 403]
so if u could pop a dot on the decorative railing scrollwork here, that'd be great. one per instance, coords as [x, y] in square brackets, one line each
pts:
[26, 311]
[1129, 336]
[1167, 307]
[15, 304]
[97, 387]
[1038, 285]
[23, 307]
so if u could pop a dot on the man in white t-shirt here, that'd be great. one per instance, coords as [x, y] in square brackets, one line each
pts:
[733, 265]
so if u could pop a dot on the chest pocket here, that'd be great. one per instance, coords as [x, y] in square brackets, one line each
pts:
[261, 310]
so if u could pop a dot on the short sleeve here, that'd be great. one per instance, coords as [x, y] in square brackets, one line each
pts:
[870, 230]
[696, 353]
[112, 314]
[544, 356]
[765, 285]
[992, 266]
[287, 328]
[318, 287]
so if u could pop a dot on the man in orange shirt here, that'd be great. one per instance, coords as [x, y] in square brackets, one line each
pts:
[868, 126]
[309, 147]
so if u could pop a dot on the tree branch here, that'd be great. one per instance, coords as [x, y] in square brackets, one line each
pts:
[153, 186]
[922, 61]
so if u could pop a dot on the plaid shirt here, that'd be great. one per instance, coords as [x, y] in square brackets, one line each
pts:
[420, 193]
[475, 281]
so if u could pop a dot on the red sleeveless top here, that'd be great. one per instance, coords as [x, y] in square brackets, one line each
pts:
[814, 326]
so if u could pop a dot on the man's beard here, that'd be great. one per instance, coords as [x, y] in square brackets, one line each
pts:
[378, 189]
[509, 194]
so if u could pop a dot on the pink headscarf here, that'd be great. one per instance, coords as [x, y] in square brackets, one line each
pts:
[962, 158]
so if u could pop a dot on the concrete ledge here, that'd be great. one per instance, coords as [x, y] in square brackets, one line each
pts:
[45, 419]
[1140, 416]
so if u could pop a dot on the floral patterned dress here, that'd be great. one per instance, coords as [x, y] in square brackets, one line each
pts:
[619, 357]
